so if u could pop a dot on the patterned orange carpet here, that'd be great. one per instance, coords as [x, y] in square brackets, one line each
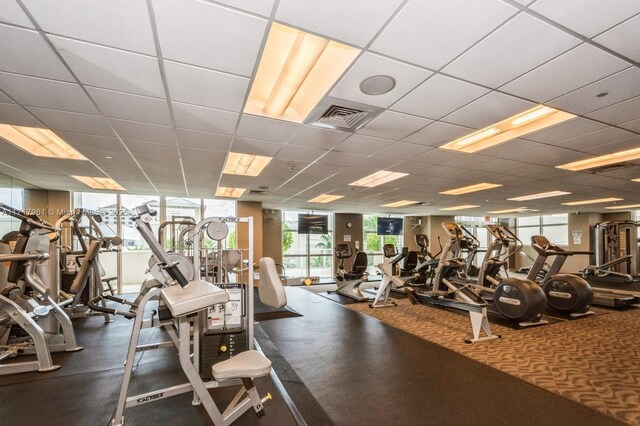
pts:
[594, 361]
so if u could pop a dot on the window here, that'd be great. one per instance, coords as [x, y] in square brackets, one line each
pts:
[306, 255]
[555, 227]
[13, 197]
[373, 242]
[221, 208]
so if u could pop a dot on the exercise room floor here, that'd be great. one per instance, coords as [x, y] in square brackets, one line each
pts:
[356, 368]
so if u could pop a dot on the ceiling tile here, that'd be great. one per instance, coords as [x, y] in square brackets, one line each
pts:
[360, 144]
[40, 92]
[516, 149]
[587, 17]
[111, 68]
[407, 77]
[86, 143]
[131, 107]
[147, 148]
[223, 91]
[416, 33]
[203, 140]
[321, 17]
[551, 156]
[318, 138]
[5, 99]
[204, 119]
[438, 133]
[528, 43]
[394, 125]
[261, 7]
[438, 156]
[299, 153]
[569, 129]
[632, 125]
[72, 121]
[341, 159]
[488, 110]
[587, 142]
[214, 158]
[619, 87]
[621, 145]
[255, 147]
[438, 96]
[13, 114]
[119, 23]
[576, 68]
[624, 38]
[12, 13]
[40, 61]
[403, 151]
[619, 113]
[233, 38]
[144, 131]
[255, 127]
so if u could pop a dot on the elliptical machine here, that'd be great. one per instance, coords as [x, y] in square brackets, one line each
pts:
[427, 263]
[565, 293]
[352, 279]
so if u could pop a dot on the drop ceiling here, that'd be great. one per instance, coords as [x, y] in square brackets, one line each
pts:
[152, 93]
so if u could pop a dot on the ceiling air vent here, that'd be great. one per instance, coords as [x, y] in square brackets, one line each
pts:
[257, 192]
[609, 168]
[340, 114]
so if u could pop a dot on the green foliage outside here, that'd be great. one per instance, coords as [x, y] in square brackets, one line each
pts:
[287, 238]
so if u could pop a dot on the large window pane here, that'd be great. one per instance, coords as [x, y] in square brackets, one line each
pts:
[553, 219]
[106, 206]
[528, 221]
[306, 254]
[12, 197]
[558, 234]
[526, 233]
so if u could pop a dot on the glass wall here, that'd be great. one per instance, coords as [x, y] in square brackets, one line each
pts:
[306, 255]
[555, 227]
[373, 243]
[106, 205]
[117, 213]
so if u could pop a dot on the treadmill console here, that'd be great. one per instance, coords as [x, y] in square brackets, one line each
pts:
[542, 245]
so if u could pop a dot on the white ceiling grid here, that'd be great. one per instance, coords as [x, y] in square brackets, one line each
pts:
[159, 86]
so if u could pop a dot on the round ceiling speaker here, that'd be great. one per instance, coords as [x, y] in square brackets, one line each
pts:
[377, 85]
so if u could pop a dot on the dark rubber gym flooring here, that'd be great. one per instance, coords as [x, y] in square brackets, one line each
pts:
[354, 369]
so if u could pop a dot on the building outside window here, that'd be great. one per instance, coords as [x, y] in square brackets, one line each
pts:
[306, 255]
[12, 197]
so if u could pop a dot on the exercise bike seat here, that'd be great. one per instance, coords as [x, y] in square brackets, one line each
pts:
[247, 364]
[196, 296]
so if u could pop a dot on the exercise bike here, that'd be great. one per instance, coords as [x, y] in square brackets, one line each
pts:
[349, 281]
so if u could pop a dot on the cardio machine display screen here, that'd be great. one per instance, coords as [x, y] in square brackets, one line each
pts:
[389, 226]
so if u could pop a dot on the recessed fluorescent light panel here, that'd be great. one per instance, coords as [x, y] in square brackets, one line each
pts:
[594, 201]
[99, 183]
[513, 127]
[518, 210]
[629, 206]
[603, 160]
[39, 142]
[400, 203]
[325, 198]
[540, 195]
[296, 70]
[635, 180]
[223, 191]
[462, 207]
[378, 178]
[471, 188]
[245, 164]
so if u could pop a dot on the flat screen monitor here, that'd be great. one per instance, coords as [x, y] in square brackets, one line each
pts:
[313, 224]
[389, 226]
